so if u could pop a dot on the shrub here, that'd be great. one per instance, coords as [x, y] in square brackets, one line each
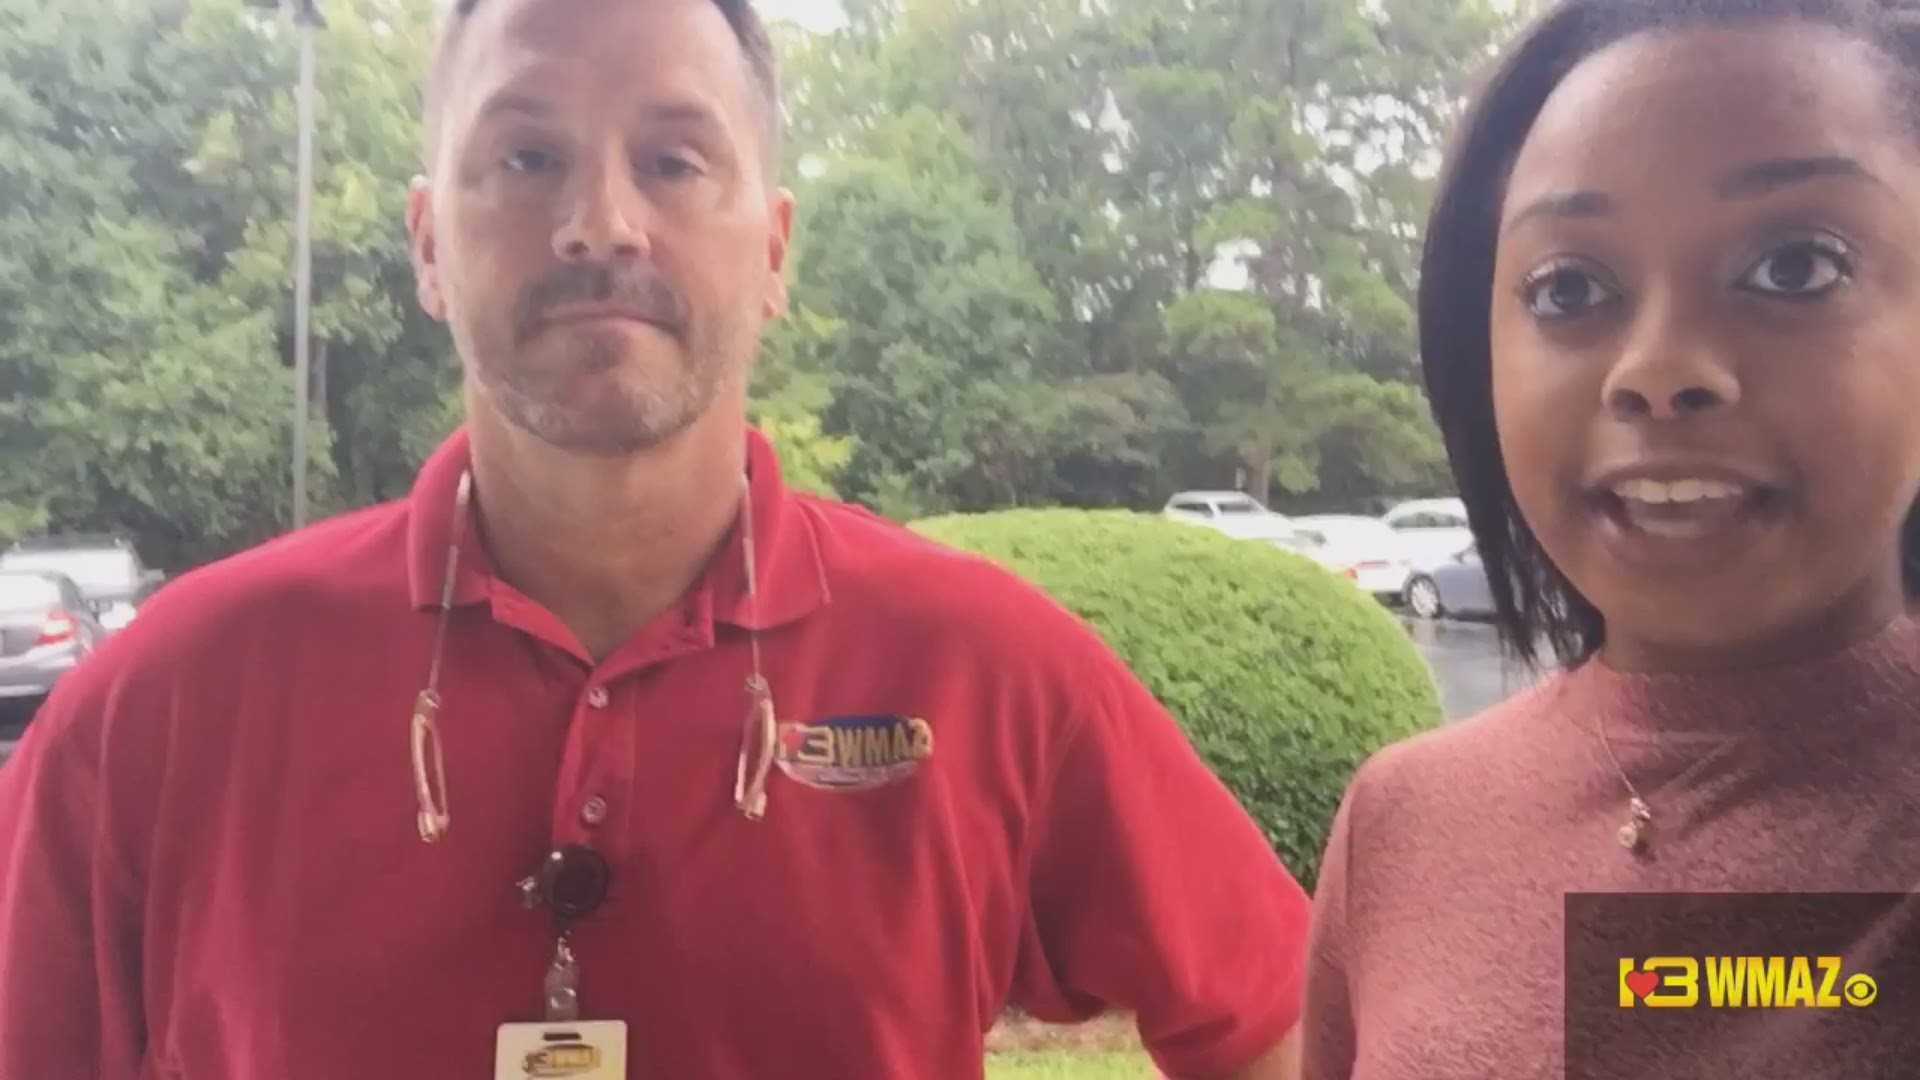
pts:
[1284, 676]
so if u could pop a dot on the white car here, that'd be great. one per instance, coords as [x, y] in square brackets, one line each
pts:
[1235, 513]
[1361, 549]
[106, 568]
[1432, 531]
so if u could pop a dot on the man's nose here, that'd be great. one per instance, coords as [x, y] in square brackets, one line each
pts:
[608, 219]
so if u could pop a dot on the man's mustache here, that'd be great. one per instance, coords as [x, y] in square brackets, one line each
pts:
[633, 289]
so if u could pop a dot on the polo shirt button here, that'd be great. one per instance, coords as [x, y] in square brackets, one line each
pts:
[594, 811]
[597, 697]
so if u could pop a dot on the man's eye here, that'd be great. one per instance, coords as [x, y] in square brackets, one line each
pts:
[1801, 270]
[671, 167]
[530, 161]
[1564, 291]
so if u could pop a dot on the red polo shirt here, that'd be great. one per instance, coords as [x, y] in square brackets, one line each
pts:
[212, 868]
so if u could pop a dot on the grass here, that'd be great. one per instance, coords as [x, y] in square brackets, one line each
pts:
[1070, 1065]
[1104, 1049]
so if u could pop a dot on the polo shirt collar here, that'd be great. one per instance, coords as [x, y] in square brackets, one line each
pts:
[791, 576]
[789, 570]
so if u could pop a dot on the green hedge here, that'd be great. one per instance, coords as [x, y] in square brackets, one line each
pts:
[1284, 676]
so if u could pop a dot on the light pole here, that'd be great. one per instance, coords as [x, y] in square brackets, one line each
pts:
[306, 20]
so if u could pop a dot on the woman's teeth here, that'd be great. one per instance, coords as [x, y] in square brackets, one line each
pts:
[1658, 493]
[1681, 509]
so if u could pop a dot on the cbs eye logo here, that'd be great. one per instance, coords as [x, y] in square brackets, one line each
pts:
[1862, 991]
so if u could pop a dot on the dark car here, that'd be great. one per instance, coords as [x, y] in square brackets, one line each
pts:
[106, 568]
[46, 628]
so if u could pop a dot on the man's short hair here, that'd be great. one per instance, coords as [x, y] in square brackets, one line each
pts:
[756, 45]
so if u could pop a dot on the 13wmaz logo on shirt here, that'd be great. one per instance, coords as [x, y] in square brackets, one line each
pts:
[850, 753]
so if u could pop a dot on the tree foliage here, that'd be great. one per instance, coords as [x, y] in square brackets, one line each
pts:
[146, 153]
[1220, 198]
[1049, 252]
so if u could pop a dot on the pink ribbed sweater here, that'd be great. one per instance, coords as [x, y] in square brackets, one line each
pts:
[1439, 943]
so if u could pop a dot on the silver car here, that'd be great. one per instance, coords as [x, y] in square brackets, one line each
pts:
[106, 568]
[46, 628]
[1433, 531]
[1456, 586]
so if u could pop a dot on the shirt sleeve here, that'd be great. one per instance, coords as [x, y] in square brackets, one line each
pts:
[70, 941]
[1327, 1031]
[1151, 892]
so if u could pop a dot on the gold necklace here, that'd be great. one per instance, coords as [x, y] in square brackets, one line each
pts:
[1633, 834]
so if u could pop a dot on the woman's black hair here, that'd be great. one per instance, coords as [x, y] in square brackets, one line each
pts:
[1534, 602]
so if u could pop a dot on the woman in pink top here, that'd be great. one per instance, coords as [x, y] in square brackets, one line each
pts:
[1670, 317]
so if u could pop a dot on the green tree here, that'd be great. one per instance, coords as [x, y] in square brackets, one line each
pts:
[131, 396]
[385, 375]
[1020, 225]
[145, 254]
[939, 316]
[789, 397]
[1144, 152]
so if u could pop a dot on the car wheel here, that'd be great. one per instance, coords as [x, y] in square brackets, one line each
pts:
[1423, 598]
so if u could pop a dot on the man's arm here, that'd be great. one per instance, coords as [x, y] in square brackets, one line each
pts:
[1153, 893]
[70, 953]
[1280, 1063]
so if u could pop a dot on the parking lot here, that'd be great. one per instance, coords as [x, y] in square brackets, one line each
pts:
[13, 719]
[1467, 663]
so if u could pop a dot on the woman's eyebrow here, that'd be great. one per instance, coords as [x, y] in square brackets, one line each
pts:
[1748, 182]
[1766, 177]
[1563, 204]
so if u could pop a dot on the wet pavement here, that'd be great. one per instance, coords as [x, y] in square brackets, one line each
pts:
[13, 719]
[1468, 664]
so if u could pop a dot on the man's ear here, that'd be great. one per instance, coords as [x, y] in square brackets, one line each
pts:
[426, 266]
[779, 244]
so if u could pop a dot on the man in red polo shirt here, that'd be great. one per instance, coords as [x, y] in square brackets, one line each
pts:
[604, 754]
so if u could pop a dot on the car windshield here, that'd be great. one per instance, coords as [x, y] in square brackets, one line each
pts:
[93, 571]
[1247, 507]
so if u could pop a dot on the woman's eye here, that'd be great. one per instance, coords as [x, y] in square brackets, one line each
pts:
[1802, 270]
[530, 161]
[1563, 292]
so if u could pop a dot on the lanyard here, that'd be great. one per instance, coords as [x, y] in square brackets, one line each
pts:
[573, 880]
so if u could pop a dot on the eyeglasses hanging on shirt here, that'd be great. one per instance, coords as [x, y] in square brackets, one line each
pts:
[574, 880]
[756, 744]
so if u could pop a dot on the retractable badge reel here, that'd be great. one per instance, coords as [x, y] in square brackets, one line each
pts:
[571, 884]
[573, 881]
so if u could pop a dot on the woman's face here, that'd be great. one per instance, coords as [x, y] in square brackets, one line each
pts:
[1706, 341]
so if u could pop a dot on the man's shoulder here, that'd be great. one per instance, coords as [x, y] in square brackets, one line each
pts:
[189, 641]
[337, 554]
[274, 585]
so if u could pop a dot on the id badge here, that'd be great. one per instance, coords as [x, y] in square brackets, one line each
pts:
[562, 1050]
